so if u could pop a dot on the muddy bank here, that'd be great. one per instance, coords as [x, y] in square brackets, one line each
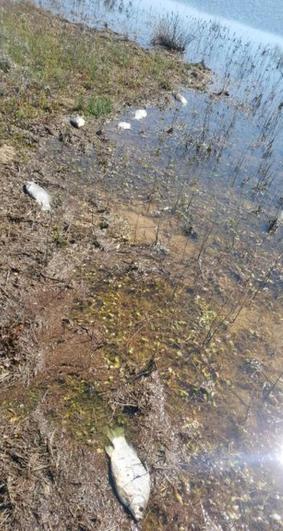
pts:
[124, 305]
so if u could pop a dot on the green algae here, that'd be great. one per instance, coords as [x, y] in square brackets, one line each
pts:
[139, 319]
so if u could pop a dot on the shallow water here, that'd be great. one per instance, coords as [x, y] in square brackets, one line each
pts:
[250, 71]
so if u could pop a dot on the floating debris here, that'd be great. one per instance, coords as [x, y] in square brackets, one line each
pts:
[124, 125]
[140, 114]
[131, 478]
[39, 194]
[77, 121]
[179, 97]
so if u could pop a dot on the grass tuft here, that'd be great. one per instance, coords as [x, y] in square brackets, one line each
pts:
[99, 106]
[171, 33]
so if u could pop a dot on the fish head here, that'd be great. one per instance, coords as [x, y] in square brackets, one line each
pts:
[28, 186]
[137, 507]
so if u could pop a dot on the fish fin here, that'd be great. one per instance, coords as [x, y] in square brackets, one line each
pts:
[115, 433]
[109, 450]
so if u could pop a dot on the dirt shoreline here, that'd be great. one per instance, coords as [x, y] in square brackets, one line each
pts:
[100, 324]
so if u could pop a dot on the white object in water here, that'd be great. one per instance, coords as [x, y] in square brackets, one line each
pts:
[140, 114]
[131, 478]
[39, 194]
[77, 121]
[124, 125]
[181, 98]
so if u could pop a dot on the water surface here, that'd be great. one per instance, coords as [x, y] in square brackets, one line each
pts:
[264, 15]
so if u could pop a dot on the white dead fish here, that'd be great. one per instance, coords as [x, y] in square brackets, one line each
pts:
[77, 121]
[140, 114]
[124, 125]
[131, 478]
[179, 97]
[39, 194]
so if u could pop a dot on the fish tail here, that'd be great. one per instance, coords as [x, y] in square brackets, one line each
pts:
[115, 433]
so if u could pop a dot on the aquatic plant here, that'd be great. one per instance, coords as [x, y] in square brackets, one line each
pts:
[171, 33]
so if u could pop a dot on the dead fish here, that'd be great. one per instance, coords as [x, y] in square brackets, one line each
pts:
[140, 114]
[77, 121]
[39, 194]
[179, 97]
[131, 478]
[124, 125]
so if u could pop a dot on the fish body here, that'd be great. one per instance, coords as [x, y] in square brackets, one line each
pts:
[77, 121]
[124, 125]
[179, 97]
[39, 194]
[131, 478]
[140, 114]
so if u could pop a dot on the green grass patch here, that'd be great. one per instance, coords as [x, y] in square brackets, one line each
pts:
[99, 106]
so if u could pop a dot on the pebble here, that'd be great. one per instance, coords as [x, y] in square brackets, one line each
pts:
[140, 114]
[124, 125]
[77, 121]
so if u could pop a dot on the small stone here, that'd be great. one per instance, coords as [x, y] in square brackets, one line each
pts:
[124, 125]
[140, 114]
[77, 121]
